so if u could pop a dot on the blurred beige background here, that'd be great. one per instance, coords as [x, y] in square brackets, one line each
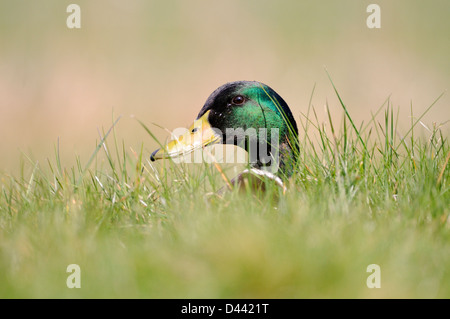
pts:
[159, 61]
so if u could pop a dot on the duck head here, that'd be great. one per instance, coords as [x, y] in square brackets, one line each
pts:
[248, 114]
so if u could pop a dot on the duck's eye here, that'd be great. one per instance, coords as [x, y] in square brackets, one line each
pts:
[195, 129]
[238, 100]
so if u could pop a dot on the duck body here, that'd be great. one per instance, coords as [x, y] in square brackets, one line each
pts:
[248, 114]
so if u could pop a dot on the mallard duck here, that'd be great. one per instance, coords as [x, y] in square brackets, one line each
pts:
[248, 114]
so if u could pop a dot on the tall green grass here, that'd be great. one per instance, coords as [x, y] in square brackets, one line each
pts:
[362, 194]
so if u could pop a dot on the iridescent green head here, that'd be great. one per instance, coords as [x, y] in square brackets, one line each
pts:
[253, 116]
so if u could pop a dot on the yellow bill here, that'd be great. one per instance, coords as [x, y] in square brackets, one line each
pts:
[199, 135]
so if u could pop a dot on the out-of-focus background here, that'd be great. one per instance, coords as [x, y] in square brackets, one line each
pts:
[159, 60]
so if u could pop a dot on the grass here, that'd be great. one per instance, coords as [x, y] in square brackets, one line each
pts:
[362, 194]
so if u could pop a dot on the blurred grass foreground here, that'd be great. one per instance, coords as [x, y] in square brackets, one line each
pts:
[140, 230]
[372, 186]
